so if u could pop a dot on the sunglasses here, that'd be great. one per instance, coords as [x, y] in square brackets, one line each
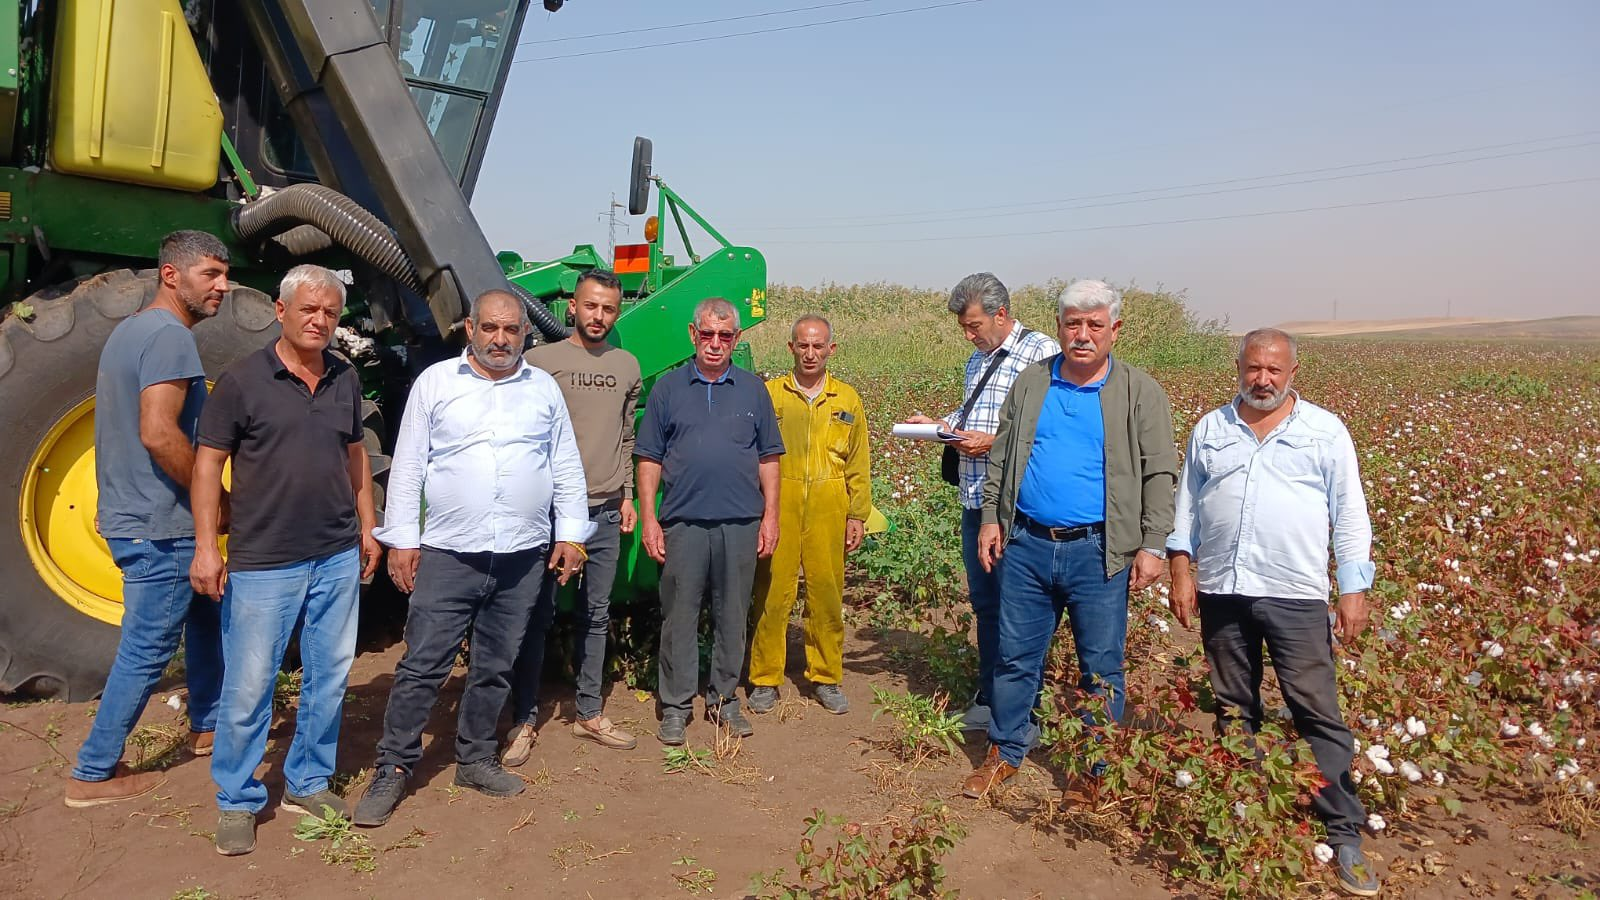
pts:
[725, 337]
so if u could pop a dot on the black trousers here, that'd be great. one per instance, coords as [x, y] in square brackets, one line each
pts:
[1296, 633]
[494, 594]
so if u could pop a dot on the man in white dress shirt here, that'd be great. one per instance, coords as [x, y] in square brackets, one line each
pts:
[1265, 479]
[486, 437]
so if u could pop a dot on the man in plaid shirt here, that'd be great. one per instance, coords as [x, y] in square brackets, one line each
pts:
[982, 306]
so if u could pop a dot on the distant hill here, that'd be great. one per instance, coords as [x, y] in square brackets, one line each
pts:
[1561, 328]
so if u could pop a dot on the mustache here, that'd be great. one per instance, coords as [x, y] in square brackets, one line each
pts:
[1081, 345]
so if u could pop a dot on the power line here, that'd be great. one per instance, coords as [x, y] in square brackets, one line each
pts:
[839, 221]
[1221, 218]
[723, 37]
[1210, 193]
[779, 12]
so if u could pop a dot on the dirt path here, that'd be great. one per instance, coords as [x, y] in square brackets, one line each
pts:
[596, 823]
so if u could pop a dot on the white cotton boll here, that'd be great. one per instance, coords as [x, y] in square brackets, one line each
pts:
[1377, 752]
[1535, 729]
[1438, 777]
[1415, 727]
[1323, 853]
[174, 702]
[1473, 679]
[1356, 776]
[1241, 810]
[1494, 649]
[1383, 766]
[1284, 714]
[1183, 779]
[1410, 771]
[1376, 822]
[1510, 729]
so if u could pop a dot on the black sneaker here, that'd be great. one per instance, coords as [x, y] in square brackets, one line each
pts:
[728, 714]
[761, 700]
[382, 796]
[1355, 873]
[486, 777]
[236, 832]
[317, 804]
[832, 698]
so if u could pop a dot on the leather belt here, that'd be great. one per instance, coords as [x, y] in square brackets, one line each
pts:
[1059, 535]
[612, 505]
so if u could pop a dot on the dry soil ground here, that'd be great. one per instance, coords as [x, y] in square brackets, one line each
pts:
[597, 823]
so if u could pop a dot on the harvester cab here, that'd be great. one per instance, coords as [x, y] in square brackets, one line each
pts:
[350, 133]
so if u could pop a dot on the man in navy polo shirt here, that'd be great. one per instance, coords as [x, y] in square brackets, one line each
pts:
[710, 440]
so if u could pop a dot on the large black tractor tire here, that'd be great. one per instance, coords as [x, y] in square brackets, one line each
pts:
[48, 363]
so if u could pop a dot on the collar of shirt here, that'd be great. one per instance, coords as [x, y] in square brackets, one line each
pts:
[826, 390]
[696, 375]
[332, 366]
[1092, 387]
[464, 367]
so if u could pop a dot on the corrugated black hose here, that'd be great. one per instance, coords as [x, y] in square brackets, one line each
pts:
[283, 214]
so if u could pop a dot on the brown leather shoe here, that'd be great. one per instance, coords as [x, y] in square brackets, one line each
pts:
[991, 774]
[200, 742]
[519, 745]
[124, 784]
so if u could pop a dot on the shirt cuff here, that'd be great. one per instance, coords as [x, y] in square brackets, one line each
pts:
[398, 537]
[1355, 577]
[1153, 539]
[577, 531]
[1179, 543]
[988, 515]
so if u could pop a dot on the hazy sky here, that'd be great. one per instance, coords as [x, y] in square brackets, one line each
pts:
[1039, 139]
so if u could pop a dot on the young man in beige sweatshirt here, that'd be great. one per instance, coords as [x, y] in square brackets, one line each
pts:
[601, 384]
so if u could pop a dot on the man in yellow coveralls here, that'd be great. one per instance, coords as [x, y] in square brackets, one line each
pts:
[822, 514]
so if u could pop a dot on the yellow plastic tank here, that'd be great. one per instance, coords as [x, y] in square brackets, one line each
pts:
[131, 99]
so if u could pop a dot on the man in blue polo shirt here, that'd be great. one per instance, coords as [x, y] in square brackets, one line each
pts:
[710, 440]
[1080, 478]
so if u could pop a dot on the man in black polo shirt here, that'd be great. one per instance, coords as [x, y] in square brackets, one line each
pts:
[289, 416]
[710, 439]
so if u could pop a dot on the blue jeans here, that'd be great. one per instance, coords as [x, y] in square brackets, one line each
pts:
[984, 589]
[158, 607]
[1039, 578]
[259, 612]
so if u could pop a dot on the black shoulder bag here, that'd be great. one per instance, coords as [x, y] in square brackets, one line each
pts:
[950, 462]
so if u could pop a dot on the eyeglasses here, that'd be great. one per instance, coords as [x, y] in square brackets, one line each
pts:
[711, 337]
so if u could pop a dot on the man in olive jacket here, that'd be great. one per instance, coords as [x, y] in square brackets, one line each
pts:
[1076, 512]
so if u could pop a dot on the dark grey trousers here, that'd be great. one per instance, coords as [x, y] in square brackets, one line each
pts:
[493, 593]
[593, 610]
[1297, 635]
[719, 557]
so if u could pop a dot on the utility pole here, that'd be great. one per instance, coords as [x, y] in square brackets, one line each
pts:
[610, 216]
[1336, 309]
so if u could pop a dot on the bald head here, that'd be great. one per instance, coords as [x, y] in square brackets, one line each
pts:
[496, 301]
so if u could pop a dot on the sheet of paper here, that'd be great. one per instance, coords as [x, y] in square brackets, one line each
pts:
[929, 432]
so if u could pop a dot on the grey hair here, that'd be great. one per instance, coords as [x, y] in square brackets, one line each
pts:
[794, 330]
[307, 275]
[477, 304]
[1266, 337]
[182, 249]
[715, 308]
[983, 289]
[1088, 295]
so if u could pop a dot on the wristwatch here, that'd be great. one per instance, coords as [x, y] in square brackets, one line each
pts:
[1158, 553]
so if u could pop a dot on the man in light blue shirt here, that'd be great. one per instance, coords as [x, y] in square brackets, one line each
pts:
[1265, 480]
[487, 439]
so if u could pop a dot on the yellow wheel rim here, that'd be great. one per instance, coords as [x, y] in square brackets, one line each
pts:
[59, 500]
[57, 518]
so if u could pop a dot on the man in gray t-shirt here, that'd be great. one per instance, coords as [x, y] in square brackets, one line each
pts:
[148, 396]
